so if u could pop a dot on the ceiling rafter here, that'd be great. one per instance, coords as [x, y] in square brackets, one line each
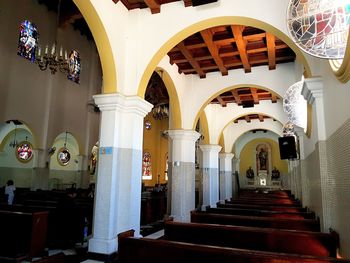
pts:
[221, 101]
[247, 118]
[261, 118]
[153, 5]
[241, 46]
[255, 95]
[207, 36]
[273, 98]
[236, 97]
[271, 50]
[191, 60]
[187, 3]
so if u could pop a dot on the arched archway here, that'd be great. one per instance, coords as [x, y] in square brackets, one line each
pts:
[225, 20]
[104, 48]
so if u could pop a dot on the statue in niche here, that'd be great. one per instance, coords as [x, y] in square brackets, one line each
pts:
[275, 174]
[262, 156]
[250, 173]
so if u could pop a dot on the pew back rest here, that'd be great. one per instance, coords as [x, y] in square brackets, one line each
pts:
[143, 250]
[274, 240]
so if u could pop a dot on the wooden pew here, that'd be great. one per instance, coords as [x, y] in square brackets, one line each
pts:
[255, 221]
[269, 203]
[264, 207]
[258, 212]
[144, 250]
[23, 233]
[262, 239]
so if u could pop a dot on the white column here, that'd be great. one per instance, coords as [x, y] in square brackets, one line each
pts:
[118, 186]
[181, 172]
[313, 93]
[210, 172]
[225, 176]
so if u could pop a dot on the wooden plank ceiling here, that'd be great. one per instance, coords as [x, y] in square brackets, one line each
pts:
[223, 48]
[249, 117]
[155, 5]
[246, 97]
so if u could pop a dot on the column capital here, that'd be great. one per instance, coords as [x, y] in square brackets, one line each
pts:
[312, 89]
[120, 102]
[184, 135]
[210, 148]
[226, 155]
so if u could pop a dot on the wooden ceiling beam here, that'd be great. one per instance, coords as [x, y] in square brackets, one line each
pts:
[255, 95]
[273, 98]
[207, 36]
[187, 3]
[69, 19]
[190, 59]
[271, 50]
[222, 102]
[247, 118]
[153, 5]
[236, 96]
[241, 46]
[261, 118]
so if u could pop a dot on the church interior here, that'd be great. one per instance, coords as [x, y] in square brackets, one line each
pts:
[174, 130]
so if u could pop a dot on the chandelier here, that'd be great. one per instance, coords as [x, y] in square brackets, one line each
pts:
[160, 112]
[53, 60]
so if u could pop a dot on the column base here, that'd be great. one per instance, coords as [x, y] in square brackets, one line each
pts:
[104, 257]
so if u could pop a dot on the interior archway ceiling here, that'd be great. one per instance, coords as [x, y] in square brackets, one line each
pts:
[249, 117]
[246, 97]
[223, 48]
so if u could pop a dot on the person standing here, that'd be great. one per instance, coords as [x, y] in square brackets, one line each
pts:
[10, 191]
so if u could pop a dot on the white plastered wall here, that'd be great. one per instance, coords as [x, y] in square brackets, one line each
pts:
[143, 34]
[234, 132]
[233, 111]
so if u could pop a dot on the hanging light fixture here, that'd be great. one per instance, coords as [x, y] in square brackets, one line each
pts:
[53, 58]
[160, 112]
[14, 143]
[63, 155]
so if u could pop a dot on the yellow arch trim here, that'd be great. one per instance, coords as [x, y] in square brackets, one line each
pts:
[204, 127]
[9, 134]
[217, 21]
[252, 139]
[222, 143]
[228, 89]
[227, 124]
[176, 119]
[103, 45]
[342, 73]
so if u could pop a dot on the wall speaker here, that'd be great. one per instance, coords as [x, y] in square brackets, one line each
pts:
[288, 148]
[202, 2]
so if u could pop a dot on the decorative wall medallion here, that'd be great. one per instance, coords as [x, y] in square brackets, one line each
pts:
[148, 125]
[63, 156]
[24, 151]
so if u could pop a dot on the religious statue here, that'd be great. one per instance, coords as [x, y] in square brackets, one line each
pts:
[250, 173]
[262, 159]
[275, 174]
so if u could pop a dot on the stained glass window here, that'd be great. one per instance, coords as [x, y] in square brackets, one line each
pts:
[24, 151]
[148, 125]
[320, 27]
[295, 106]
[146, 166]
[74, 66]
[63, 156]
[28, 40]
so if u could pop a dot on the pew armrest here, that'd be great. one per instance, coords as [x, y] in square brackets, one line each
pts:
[125, 234]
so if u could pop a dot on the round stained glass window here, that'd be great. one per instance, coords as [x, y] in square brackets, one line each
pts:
[24, 151]
[320, 27]
[63, 156]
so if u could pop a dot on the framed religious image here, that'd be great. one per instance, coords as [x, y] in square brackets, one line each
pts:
[63, 156]
[148, 124]
[24, 152]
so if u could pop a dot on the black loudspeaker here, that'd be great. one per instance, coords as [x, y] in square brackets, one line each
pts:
[288, 148]
[202, 2]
